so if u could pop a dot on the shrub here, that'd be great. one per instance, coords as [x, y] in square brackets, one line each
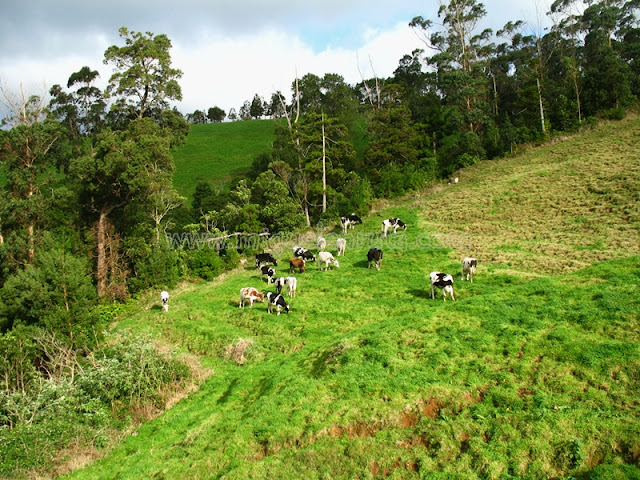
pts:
[129, 373]
[205, 263]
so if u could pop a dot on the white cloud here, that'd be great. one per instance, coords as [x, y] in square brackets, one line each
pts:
[225, 72]
[229, 50]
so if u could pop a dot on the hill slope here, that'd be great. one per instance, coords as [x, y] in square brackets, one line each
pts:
[528, 374]
[553, 209]
[218, 151]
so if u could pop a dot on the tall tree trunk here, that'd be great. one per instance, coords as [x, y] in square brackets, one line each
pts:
[576, 86]
[31, 229]
[101, 269]
[324, 169]
[544, 130]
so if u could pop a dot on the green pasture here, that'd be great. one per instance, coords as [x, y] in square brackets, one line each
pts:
[369, 377]
[219, 152]
[532, 373]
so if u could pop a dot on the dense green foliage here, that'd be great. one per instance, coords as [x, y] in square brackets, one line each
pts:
[83, 401]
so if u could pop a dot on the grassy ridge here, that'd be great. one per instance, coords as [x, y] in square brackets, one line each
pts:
[529, 374]
[553, 209]
[217, 152]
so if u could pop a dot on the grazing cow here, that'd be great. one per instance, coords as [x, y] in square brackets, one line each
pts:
[394, 223]
[325, 258]
[341, 245]
[303, 253]
[265, 258]
[276, 300]
[279, 282]
[374, 255]
[292, 286]
[469, 265]
[267, 270]
[250, 294]
[296, 262]
[164, 297]
[322, 244]
[349, 221]
[444, 282]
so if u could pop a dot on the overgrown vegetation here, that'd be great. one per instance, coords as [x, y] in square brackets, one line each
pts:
[57, 402]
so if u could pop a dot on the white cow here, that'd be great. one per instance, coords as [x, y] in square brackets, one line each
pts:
[164, 297]
[322, 244]
[341, 245]
[469, 265]
[325, 258]
[292, 285]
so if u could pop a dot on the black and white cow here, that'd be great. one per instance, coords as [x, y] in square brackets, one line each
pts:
[265, 258]
[375, 256]
[276, 300]
[279, 282]
[303, 253]
[349, 221]
[394, 223]
[444, 282]
[164, 297]
[268, 271]
[469, 265]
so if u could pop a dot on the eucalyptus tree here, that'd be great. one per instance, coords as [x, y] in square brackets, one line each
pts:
[527, 58]
[610, 45]
[27, 154]
[460, 66]
[129, 170]
[393, 147]
[607, 76]
[275, 107]
[144, 77]
[81, 111]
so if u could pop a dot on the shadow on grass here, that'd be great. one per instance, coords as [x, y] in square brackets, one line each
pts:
[227, 393]
[361, 264]
[419, 293]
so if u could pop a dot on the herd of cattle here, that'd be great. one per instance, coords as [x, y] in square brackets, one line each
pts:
[265, 263]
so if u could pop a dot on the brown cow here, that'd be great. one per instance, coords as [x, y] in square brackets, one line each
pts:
[296, 262]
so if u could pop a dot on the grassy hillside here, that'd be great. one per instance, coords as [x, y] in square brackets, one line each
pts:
[550, 210]
[531, 373]
[217, 152]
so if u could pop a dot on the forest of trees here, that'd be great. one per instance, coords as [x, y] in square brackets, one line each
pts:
[89, 196]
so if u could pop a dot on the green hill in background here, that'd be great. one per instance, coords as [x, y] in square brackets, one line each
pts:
[531, 373]
[218, 152]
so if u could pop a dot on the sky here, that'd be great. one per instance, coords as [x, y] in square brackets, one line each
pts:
[228, 50]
